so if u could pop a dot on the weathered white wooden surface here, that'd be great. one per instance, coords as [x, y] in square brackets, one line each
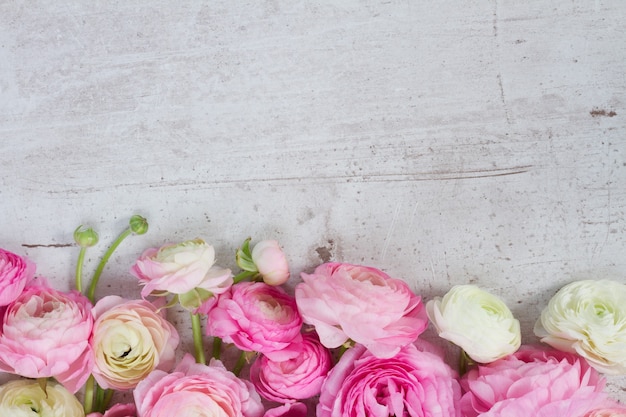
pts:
[444, 142]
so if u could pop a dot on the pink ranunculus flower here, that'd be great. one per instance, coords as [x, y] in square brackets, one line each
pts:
[130, 340]
[271, 262]
[117, 410]
[345, 301]
[293, 379]
[287, 410]
[533, 382]
[415, 382]
[45, 333]
[257, 317]
[195, 389]
[15, 273]
[186, 269]
[615, 410]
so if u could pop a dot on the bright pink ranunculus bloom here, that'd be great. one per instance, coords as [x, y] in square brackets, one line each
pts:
[533, 382]
[345, 301]
[293, 379]
[15, 273]
[45, 333]
[130, 340]
[257, 317]
[117, 410]
[271, 262]
[192, 389]
[415, 382]
[287, 410]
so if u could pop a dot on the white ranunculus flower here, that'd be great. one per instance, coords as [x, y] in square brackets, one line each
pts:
[588, 318]
[476, 321]
[25, 398]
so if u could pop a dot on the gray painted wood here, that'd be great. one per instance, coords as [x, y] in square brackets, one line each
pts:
[443, 142]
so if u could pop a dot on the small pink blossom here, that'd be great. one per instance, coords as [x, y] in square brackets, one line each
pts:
[533, 382]
[45, 333]
[293, 379]
[345, 301]
[130, 340]
[413, 383]
[287, 410]
[15, 273]
[117, 410]
[271, 262]
[257, 317]
[196, 389]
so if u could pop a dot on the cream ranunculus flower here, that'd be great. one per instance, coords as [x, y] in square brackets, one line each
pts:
[130, 340]
[476, 321]
[588, 317]
[26, 398]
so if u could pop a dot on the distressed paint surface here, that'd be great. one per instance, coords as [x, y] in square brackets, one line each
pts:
[443, 142]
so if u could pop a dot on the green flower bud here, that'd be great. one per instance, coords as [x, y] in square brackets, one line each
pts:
[85, 237]
[138, 224]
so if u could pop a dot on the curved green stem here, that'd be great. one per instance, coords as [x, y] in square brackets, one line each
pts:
[103, 262]
[79, 269]
[243, 275]
[88, 402]
[197, 338]
[241, 362]
[217, 347]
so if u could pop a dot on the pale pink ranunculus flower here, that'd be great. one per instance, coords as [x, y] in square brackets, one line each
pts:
[533, 382]
[196, 389]
[293, 379]
[257, 317]
[182, 269]
[287, 410]
[271, 262]
[130, 340]
[415, 382]
[345, 301]
[117, 410]
[15, 273]
[45, 333]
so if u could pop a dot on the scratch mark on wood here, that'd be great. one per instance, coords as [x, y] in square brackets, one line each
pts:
[392, 226]
[50, 245]
[279, 181]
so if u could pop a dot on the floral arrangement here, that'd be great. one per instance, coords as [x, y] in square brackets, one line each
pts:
[346, 343]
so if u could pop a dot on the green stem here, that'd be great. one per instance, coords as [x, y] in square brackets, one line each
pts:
[103, 262]
[465, 362]
[241, 362]
[79, 269]
[88, 402]
[99, 398]
[217, 347]
[197, 338]
[108, 396]
[243, 275]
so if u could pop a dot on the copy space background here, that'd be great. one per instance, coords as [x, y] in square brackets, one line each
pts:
[444, 142]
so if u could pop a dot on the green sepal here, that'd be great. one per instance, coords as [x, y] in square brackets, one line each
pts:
[193, 299]
[244, 257]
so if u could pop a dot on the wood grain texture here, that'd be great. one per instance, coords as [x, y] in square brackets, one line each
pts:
[443, 142]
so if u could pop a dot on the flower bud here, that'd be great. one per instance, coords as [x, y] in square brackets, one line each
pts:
[271, 262]
[138, 224]
[85, 236]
